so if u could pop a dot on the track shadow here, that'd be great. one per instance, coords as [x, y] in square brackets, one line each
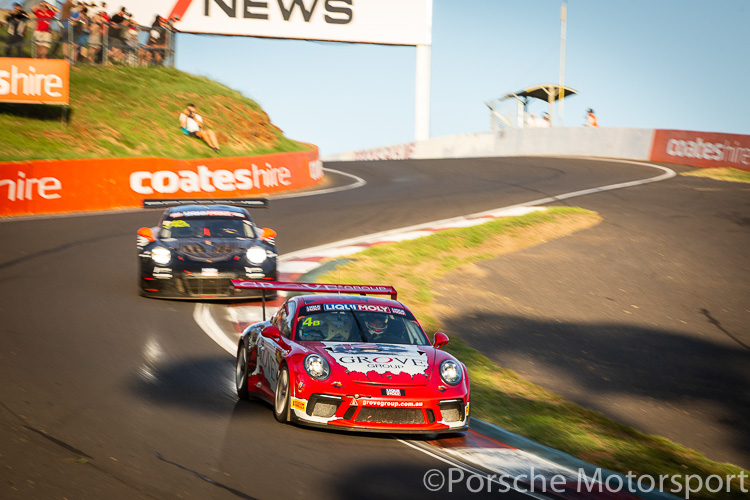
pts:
[203, 384]
[622, 360]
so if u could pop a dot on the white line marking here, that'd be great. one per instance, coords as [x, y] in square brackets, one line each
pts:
[497, 212]
[206, 321]
[471, 470]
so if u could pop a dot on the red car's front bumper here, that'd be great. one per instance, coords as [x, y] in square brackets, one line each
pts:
[413, 415]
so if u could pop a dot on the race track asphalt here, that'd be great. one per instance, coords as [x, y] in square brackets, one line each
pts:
[109, 394]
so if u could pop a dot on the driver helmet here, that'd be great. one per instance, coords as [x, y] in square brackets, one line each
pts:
[376, 324]
[339, 324]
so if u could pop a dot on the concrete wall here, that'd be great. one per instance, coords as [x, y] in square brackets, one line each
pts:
[625, 143]
[683, 147]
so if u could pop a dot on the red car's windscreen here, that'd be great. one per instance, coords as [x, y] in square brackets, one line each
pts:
[358, 323]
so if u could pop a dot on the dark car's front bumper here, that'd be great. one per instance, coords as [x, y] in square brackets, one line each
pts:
[207, 281]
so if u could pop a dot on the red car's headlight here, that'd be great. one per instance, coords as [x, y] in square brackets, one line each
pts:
[317, 367]
[450, 372]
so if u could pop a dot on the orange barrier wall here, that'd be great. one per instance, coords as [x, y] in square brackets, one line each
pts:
[59, 186]
[34, 81]
[701, 149]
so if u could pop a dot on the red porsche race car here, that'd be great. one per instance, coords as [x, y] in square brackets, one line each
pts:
[351, 362]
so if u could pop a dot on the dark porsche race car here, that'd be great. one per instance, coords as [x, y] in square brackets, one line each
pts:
[351, 362]
[196, 250]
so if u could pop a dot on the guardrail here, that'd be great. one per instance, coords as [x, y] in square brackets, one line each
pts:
[700, 149]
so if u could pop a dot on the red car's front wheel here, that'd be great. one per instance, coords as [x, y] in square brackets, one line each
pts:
[241, 373]
[281, 409]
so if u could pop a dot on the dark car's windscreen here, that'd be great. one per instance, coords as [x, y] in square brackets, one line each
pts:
[207, 227]
[388, 325]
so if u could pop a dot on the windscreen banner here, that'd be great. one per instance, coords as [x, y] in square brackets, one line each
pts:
[34, 81]
[701, 149]
[63, 186]
[390, 22]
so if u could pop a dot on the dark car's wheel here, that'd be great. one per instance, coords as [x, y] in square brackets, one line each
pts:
[283, 394]
[241, 370]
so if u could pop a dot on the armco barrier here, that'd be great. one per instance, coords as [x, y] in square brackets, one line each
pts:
[60, 186]
[700, 149]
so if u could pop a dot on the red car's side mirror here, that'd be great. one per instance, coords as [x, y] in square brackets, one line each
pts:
[440, 340]
[145, 232]
[273, 333]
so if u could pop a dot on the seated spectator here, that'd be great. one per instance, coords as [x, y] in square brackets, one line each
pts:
[16, 30]
[192, 126]
[44, 12]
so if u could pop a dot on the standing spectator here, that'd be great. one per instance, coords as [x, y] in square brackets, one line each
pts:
[96, 28]
[44, 12]
[546, 122]
[16, 30]
[591, 120]
[130, 50]
[117, 29]
[156, 45]
[103, 12]
[67, 9]
[192, 126]
[80, 26]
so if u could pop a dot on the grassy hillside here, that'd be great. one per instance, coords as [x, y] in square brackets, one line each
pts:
[124, 111]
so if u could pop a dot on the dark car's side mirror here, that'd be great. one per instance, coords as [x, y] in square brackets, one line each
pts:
[268, 234]
[145, 232]
[440, 340]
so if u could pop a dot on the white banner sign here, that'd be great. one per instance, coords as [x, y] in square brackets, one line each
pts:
[393, 22]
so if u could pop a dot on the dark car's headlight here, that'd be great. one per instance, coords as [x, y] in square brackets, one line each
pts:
[317, 367]
[161, 255]
[450, 372]
[256, 255]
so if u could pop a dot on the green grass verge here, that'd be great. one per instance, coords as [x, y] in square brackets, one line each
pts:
[122, 111]
[499, 395]
[721, 174]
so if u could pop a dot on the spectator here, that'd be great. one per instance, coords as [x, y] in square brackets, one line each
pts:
[103, 12]
[116, 34]
[192, 126]
[156, 45]
[44, 12]
[546, 122]
[67, 9]
[96, 27]
[131, 45]
[79, 23]
[591, 120]
[16, 30]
